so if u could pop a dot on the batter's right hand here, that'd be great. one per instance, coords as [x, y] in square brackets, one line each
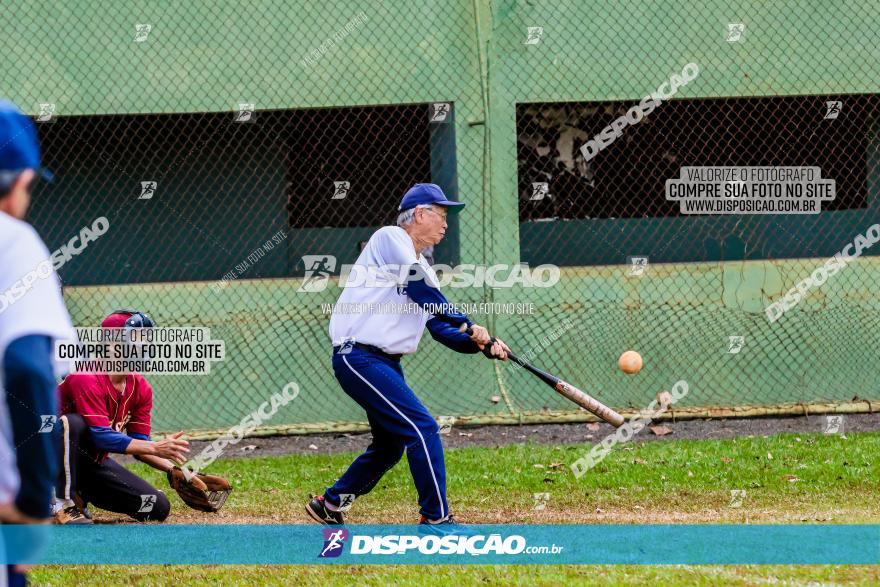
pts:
[498, 350]
[172, 448]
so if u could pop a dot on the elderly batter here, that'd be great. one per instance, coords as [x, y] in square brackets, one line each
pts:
[367, 348]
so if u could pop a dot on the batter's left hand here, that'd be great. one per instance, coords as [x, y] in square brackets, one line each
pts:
[480, 335]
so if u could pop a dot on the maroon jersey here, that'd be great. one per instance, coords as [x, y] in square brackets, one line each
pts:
[92, 396]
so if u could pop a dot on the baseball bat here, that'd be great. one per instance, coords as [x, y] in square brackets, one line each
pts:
[567, 390]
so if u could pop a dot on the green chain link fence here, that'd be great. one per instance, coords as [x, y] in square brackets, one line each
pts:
[231, 146]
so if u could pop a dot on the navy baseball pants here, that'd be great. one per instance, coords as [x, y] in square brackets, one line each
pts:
[399, 422]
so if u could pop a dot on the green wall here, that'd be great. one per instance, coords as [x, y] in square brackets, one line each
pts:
[210, 56]
[206, 57]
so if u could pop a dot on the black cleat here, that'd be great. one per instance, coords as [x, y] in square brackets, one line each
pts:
[317, 509]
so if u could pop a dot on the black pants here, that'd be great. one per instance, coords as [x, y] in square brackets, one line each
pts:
[108, 485]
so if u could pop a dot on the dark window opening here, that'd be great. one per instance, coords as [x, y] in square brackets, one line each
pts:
[626, 179]
[349, 167]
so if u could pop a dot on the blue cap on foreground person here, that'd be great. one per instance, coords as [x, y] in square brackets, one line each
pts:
[19, 147]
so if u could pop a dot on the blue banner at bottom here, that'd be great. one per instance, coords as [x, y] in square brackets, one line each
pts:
[478, 544]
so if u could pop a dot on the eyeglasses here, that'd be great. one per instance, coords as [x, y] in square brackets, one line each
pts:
[442, 216]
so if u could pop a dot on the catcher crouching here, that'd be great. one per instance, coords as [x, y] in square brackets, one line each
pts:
[103, 413]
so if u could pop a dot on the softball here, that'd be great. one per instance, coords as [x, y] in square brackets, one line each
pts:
[630, 362]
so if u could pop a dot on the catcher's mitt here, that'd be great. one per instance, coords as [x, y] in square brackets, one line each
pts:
[206, 493]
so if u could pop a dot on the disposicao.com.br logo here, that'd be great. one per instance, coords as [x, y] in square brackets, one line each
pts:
[334, 541]
[457, 544]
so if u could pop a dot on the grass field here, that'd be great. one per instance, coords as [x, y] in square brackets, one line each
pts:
[806, 478]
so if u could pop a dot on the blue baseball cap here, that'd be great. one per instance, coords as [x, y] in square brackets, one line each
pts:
[427, 193]
[19, 147]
